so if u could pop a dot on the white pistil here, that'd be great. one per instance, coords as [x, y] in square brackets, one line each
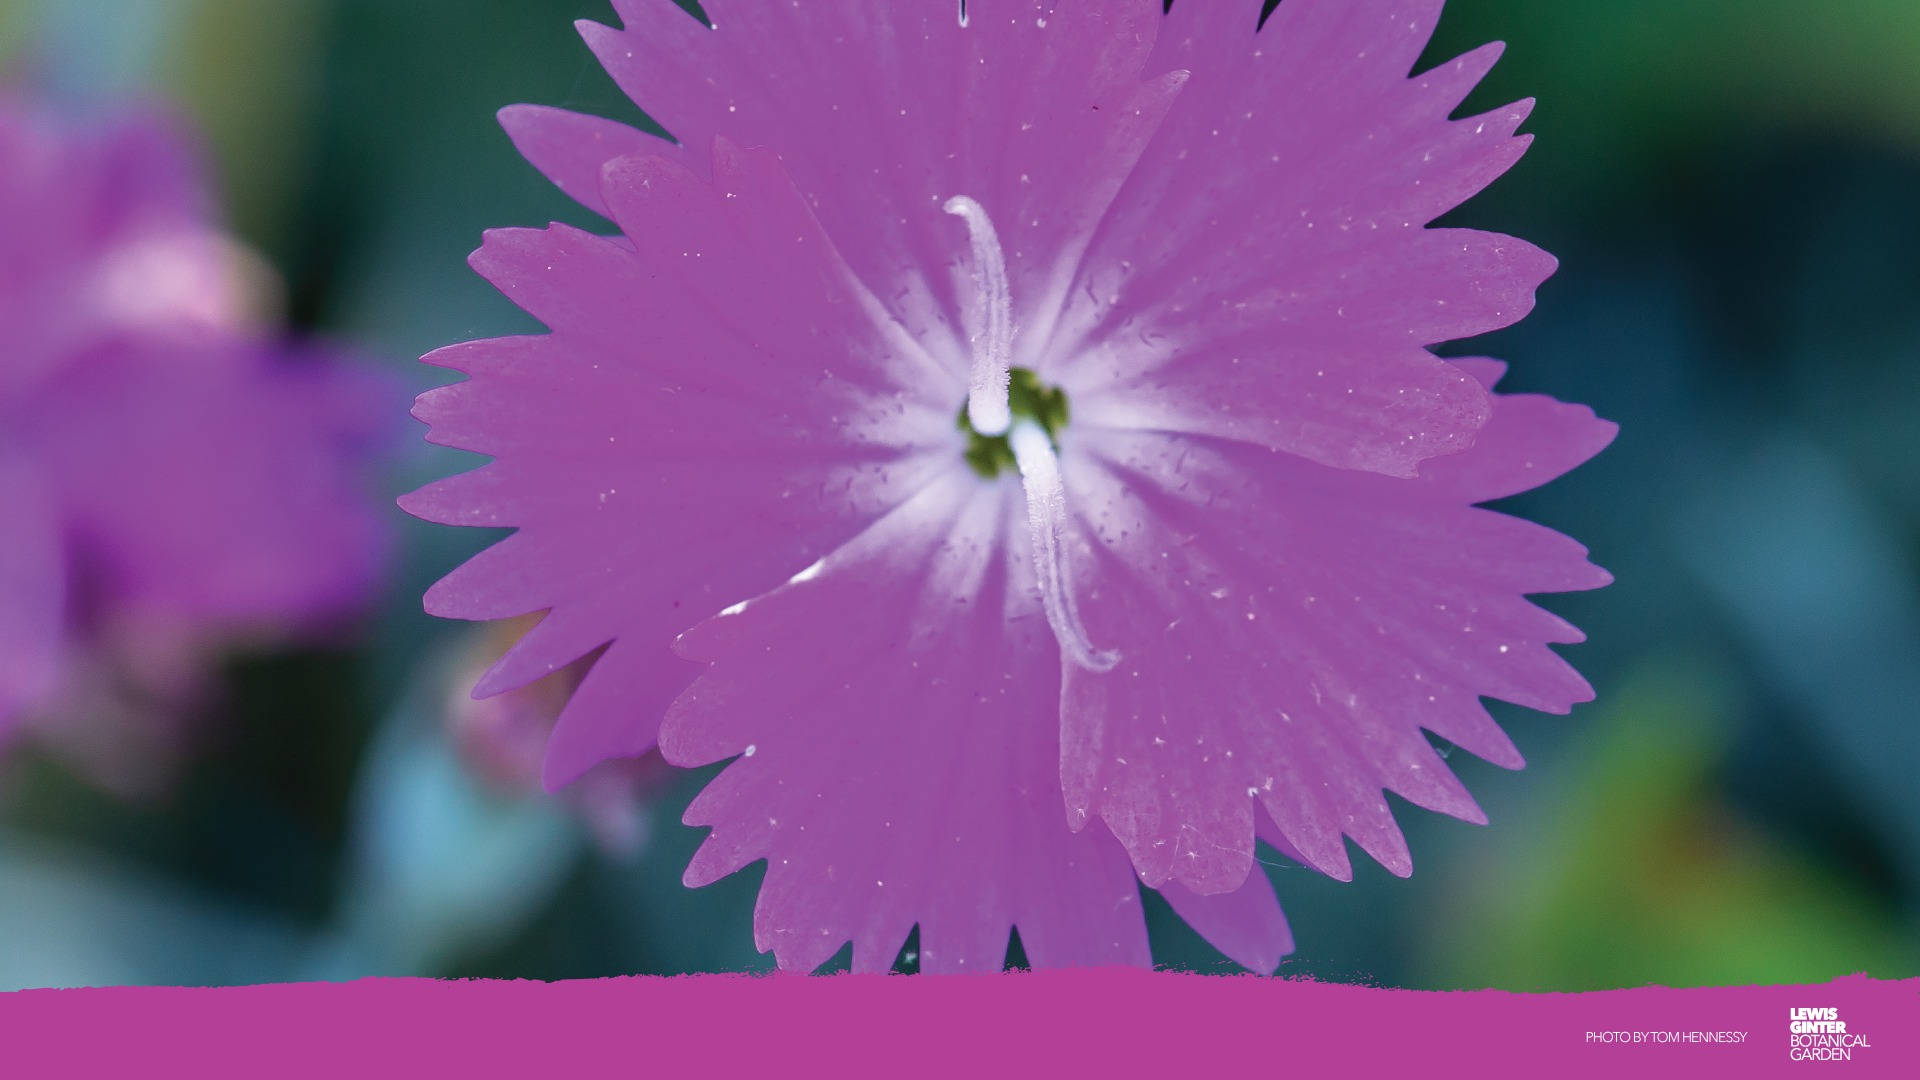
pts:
[990, 413]
[1046, 529]
[992, 329]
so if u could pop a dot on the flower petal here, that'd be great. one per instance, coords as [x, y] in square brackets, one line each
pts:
[1246, 925]
[571, 148]
[1037, 109]
[893, 716]
[32, 591]
[212, 479]
[1377, 408]
[1285, 632]
[94, 191]
[719, 396]
[1275, 226]
[1536, 440]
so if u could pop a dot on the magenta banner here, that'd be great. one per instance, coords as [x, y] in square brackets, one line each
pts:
[1111, 1022]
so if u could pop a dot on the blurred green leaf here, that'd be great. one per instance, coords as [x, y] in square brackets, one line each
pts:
[1641, 874]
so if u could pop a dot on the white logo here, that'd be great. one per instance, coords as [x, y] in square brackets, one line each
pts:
[1820, 1035]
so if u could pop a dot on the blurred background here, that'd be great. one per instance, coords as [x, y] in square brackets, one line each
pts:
[1733, 190]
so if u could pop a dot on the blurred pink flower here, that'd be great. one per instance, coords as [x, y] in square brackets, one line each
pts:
[175, 480]
[1198, 562]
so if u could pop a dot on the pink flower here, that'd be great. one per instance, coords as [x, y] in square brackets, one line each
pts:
[1198, 562]
[174, 480]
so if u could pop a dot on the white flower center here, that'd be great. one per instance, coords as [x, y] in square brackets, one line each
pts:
[990, 413]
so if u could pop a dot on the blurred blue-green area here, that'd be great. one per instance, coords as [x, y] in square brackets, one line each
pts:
[1733, 189]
